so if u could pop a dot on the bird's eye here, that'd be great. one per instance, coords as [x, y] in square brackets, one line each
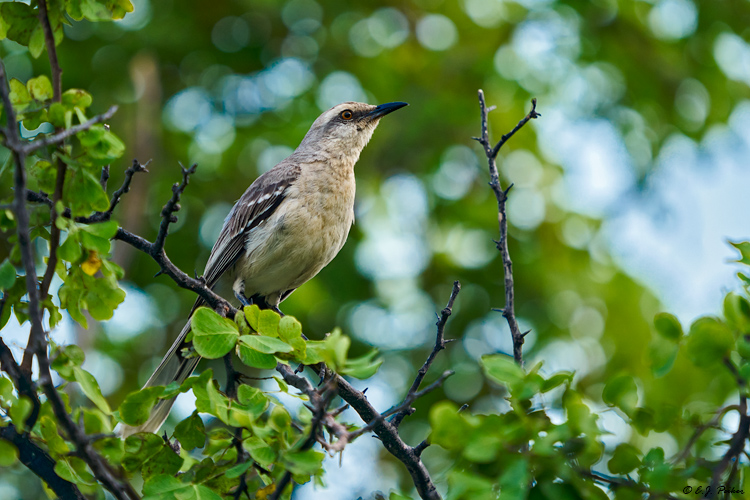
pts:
[347, 114]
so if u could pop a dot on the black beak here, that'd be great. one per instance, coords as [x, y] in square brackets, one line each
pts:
[384, 109]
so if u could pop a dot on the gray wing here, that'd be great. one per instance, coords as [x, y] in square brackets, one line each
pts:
[257, 204]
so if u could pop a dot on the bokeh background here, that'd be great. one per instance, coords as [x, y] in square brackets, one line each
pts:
[626, 189]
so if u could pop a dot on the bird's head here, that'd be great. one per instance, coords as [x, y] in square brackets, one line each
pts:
[345, 129]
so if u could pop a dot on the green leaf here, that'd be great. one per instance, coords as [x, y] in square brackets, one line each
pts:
[289, 328]
[84, 194]
[20, 411]
[268, 323]
[238, 470]
[136, 407]
[625, 459]
[744, 249]
[19, 94]
[7, 275]
[332, 351]
[74, 469]
[363, 367]
[166, 461]
[255, 359]
[252, 399]
[8, 453]
[40, 88]
[266, 345]
[20, 19]
[76, 98]
[280, 419]
[308, 462]
[668, 326]
[260, 451]
[621, 391]
[557, 380]
[502, 369]
[252, 314]
[91, 389]
[737, 311]
[70, 250]
[449, 428]
[662, 354]
[139, 448]
[515, 480]
[213, 336]
[709, 342]
[191, 432]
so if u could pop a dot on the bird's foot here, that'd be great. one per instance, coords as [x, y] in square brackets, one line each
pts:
[241, 297]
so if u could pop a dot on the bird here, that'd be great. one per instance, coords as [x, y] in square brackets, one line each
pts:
[287, 226]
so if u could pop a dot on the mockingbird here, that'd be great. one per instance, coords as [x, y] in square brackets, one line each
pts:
[290, 223]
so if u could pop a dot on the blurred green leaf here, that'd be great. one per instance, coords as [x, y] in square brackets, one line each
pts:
[622, 392]
[709, 342]
[668, 326]
[7, 275]
[364, 366]
[8, 453]
[624, 460]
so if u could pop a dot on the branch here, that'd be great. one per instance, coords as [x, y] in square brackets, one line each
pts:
[36, 335]
[171, 207]
[37, 339]
[49, 40]
[135, 167]
[40, 463]
[59, 137]
[21, 381]
[156, 251]
[619, 483]
[739, 438]
[440, 343]
[502, 196]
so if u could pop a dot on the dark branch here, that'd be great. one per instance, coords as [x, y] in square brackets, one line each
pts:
[440, 343]
[172, 206]
[40, 463]
[502, 197]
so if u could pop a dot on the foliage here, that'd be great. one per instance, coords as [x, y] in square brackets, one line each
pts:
[528, 432]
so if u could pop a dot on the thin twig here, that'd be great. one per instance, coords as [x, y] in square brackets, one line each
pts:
[439, 346]
[502, 197]
[57, 138]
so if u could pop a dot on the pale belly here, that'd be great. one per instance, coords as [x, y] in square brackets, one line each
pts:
[286, 251]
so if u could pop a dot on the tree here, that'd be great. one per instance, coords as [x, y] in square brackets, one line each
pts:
[547, 441]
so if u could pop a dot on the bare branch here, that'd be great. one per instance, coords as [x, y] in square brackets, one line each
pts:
[502, 197]
[439, 346]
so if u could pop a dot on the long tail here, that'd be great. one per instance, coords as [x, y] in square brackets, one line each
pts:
[172, 368]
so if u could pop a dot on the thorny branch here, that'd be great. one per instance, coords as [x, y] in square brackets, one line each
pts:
[37, 344]
[440, 343]
[502, 197]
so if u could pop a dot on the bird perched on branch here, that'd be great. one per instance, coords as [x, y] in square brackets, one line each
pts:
[290, 223]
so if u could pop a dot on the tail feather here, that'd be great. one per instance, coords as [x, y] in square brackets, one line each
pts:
[172, 368]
